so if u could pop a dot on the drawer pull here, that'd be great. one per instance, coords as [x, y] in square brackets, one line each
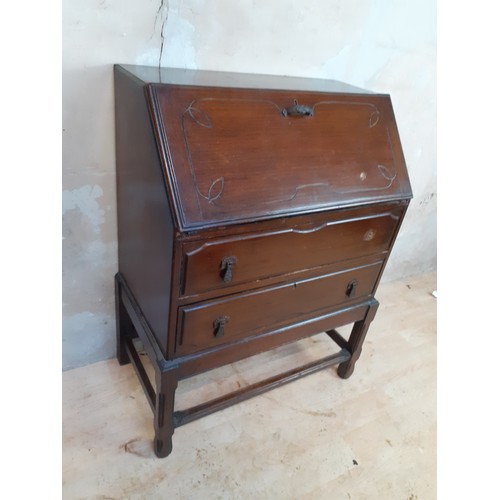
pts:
[226, 268]
[351, 288]
[219, 326]
[297, 110]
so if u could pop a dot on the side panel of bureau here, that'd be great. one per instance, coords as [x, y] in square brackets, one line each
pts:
[145, 227]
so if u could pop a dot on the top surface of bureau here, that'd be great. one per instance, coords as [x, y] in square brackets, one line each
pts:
[233, 154]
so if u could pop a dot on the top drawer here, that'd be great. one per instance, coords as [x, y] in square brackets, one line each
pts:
[225, 262]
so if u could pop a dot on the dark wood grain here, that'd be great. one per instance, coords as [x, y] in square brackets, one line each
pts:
[199, 362]
[225, 353]
[311, 219]
[233, 156]
[355, 342]
[145, 226]
[124, 326]
[204, 409]
[253, 211]
[337, 338]
[190, 77]
[263, 255]
[267, 309]
[141, 372]
[166, 383]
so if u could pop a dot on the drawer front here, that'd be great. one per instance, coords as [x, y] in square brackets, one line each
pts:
[214, 322]
[222, 263]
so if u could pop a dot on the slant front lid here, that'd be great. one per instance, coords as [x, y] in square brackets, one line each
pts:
[235, 155]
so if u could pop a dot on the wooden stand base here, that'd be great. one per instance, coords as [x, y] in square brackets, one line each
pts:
[131, 324]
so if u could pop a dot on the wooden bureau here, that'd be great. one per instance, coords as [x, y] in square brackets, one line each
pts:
[252, 211]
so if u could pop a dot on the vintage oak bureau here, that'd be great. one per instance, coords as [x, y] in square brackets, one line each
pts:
[252, 211]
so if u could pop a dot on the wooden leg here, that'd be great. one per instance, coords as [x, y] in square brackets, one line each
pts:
[166, 384]
[355, 342]
[124, 325]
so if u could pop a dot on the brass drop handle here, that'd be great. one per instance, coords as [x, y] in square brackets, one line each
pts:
[219, 324]
[351, 288]
[297, 110]
[226, 268]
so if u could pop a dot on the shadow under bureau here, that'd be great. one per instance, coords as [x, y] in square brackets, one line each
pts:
[252, 211]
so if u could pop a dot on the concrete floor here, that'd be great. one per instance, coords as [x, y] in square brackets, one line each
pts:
[372, 436]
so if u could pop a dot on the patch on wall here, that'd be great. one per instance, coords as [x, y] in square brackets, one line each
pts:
[84, 199]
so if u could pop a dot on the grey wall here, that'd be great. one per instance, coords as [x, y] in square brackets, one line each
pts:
[382, 45]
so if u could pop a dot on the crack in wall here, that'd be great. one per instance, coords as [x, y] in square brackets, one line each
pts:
[161, 12]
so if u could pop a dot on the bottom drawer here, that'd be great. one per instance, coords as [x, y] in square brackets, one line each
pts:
[210, 323]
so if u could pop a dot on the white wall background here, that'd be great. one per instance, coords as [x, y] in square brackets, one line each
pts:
[383, 45]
